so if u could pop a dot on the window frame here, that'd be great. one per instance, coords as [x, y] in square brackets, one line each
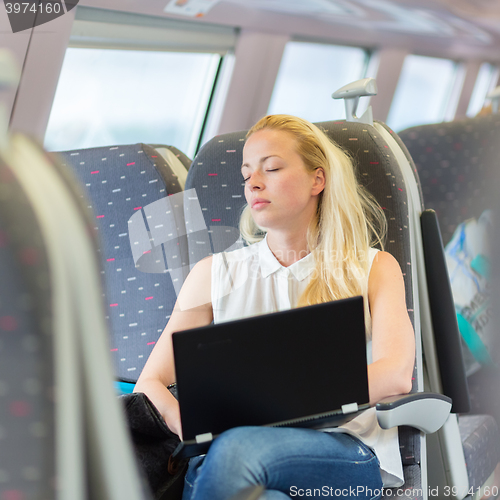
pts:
[102, 29]
[494, 81]
[370, 62]
[453, 95]
[105, 29]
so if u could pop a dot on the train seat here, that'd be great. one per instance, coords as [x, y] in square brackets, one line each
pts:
[123, 181]
[445, 369]
[215, 176]
[479, 434]
[453, 161]
[462, 157]
[481, 444]
[27, 373]
[62, 428]
[456, 163]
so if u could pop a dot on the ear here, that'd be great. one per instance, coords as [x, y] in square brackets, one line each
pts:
[319, 181]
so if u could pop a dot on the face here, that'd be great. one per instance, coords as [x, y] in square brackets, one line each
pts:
[280, 191]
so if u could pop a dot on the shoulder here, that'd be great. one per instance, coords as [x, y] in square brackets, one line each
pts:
[196, 289]
[384, 265]
[383, 260]
[201, 267]
[385, 274]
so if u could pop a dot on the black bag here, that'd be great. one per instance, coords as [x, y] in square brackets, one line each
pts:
[154, 443]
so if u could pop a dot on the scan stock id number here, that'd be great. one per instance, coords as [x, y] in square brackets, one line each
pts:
[26, 7]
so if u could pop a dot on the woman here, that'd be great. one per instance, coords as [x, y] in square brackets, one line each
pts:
[312, 228]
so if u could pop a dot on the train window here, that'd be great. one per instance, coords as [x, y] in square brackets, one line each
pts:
[130, 78]
[128, 96]
[309, 73]
[485, 81]
[424, 90]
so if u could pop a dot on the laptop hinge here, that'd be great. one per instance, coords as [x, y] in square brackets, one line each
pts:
[204, 438]
[349, 408]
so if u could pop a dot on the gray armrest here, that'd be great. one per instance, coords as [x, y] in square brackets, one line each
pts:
[425, 411]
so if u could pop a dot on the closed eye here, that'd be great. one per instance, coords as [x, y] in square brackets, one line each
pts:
[270, 170]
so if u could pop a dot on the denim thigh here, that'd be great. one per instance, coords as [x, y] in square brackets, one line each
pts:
[288, 462]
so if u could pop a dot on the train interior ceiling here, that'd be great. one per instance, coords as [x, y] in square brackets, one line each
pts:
[148, 83]
[198, 68]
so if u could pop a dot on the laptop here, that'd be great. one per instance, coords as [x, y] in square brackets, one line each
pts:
[305, 367]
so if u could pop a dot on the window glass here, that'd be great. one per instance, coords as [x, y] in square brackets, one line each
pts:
[106, 97]
[485, 81]
[423, 92]
[309, 73]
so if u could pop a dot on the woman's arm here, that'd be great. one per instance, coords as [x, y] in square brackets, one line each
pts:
[393, 339]
[192, 309]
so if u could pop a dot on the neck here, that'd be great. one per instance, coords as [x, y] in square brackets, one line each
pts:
[287, 248]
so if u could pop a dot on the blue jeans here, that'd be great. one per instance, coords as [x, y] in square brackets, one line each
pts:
[287, 462]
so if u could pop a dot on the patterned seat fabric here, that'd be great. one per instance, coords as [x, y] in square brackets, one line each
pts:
[27, 425]
[215, 176]
[481, 442]
[122, 181]
[479, 401]
[454, 162]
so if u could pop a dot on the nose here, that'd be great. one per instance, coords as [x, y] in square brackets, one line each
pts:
[255, 182]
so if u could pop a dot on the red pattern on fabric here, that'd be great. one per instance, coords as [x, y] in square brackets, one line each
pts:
[19, 408]
[29, 256]
[8, 323]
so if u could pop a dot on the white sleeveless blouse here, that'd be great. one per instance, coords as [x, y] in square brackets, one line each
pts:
[251, 281]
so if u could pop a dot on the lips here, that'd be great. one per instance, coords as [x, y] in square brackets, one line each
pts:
[259, 202]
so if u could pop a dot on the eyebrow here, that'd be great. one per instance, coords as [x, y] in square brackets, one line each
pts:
[261, 161]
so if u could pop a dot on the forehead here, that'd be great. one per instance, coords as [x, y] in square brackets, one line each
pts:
[267, 141]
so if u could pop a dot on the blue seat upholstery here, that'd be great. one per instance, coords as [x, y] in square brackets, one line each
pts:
[140, 294]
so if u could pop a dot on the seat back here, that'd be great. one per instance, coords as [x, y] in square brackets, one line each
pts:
[218, 186]
[216, 178]
[456, 163]
[75, 439]
[453, 161]
[444, 319]
[121, 182]
[27, 374]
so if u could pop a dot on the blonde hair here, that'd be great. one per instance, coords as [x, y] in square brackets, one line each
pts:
[348, 219]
